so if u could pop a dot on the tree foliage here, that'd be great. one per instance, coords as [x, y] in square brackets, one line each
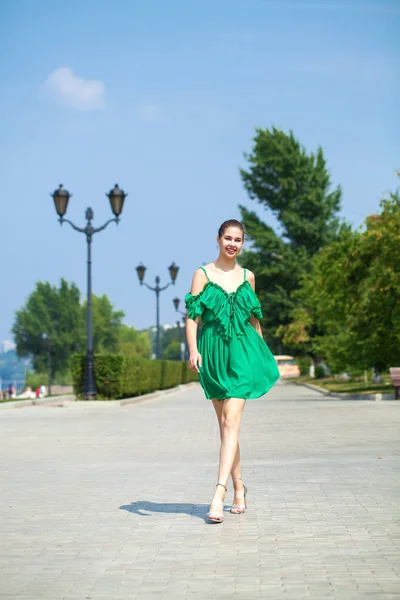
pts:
[172, 351]
[58, 313]
[133, 343]
[295, 187]
[171, 340]
[55, 312]
[349, 305]
[106, 324]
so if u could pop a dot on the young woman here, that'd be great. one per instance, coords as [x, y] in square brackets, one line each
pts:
[232, 359]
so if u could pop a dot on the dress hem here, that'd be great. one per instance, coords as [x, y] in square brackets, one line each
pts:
[247, 397]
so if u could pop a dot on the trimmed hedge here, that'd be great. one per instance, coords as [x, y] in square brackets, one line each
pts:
[124, 376]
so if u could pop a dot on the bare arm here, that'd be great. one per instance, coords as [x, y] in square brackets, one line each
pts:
[253, 320]
[198, 283]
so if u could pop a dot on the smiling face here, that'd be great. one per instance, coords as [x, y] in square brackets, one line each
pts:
[231, 242]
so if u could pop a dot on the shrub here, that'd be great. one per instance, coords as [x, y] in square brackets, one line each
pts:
[319, 372]
[126, 376]
[171, 374]
[304, 363]
[187, 374]
[35, 380]
[141, 376]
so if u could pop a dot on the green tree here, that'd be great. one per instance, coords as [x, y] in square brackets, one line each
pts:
[106, 324]
[172, 351]
[133, 343]
[171, 340]
[55, 312]
[350, 312]
[295, 187]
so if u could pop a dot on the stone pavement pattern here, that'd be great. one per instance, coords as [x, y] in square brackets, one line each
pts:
[108, 503]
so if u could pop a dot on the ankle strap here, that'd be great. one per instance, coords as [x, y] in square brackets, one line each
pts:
[238, 479]
[224, 486]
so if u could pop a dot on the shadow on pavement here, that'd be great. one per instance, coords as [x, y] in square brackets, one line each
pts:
[145, 508]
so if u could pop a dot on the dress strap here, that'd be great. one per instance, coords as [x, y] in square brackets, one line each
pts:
[205, 273]
[244, 278]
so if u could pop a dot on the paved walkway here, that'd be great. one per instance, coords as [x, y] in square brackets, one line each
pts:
[108, 503]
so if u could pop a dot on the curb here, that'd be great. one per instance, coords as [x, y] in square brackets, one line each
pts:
[156, 394]
[374, 397]
[37, 401]
[59, 400]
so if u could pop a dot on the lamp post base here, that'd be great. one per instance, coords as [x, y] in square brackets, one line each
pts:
[90, 383]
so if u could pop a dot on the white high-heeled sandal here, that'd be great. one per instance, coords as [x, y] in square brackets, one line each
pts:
[240, 508]
[216, 517]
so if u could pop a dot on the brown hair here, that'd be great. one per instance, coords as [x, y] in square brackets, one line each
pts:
[230, 223]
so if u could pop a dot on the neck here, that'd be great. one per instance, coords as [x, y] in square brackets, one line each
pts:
[224, 263]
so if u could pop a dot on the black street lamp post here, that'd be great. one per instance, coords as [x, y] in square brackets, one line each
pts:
[61, 198]
[45, 338]
[183, 313]
[173, 271]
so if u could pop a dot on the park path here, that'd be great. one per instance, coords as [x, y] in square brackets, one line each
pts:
[108, 503]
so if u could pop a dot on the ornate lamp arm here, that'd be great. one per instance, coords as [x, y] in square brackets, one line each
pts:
[105, 225]
[157, 288]
[153, 289]
[165, 286]
[62, 220]
[89, 230]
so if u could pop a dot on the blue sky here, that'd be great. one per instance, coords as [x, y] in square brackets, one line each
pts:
[163, 98]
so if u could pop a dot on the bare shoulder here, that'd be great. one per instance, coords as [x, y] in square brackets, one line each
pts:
[250, 275]
[251, 278]
[209, 268]
[198, 282]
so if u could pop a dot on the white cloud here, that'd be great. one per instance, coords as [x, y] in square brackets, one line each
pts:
[150, 112]
[81, 94]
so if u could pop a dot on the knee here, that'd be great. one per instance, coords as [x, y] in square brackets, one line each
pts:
[230, 423]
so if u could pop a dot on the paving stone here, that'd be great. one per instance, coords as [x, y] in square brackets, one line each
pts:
[108, 502]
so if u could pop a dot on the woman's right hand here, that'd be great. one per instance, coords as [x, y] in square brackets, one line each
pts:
[195, 361]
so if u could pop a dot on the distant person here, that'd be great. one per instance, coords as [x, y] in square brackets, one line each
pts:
[37, 392]
[28, 393]
[232, 359]
[42, 391]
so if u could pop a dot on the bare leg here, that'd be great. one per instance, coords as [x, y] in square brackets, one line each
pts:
[236, 469]
[231, 415]
[236, 473]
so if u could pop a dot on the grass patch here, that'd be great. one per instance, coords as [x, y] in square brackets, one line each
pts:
[349, 387]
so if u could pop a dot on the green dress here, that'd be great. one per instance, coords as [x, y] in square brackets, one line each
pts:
[236, 362]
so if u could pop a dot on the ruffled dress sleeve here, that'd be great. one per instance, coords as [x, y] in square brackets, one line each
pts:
[250, 303]
[256, 308]
[194, 306]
